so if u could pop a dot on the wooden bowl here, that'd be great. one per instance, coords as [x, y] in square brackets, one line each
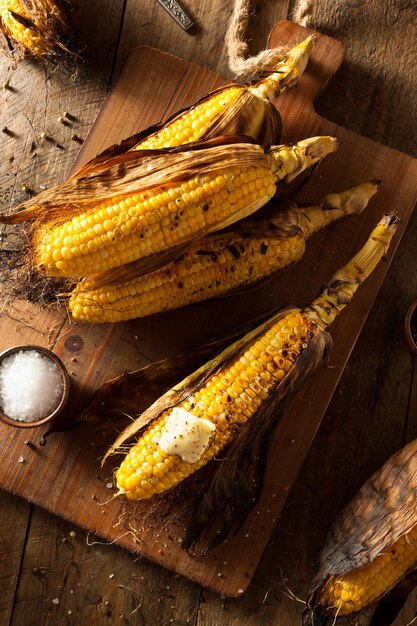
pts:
[65, 390]
[412, 310]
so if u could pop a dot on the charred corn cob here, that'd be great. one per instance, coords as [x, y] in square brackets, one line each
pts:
[142, 204]
[38, 27]
[234, 109]
[216, 264]
[199, 417]
[382, 521]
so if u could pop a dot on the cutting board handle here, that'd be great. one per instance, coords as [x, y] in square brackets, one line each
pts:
[326, 58]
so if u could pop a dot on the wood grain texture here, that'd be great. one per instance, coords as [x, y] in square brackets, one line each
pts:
[157, 82]
[348, 447]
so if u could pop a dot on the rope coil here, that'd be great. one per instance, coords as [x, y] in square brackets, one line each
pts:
[242, 65]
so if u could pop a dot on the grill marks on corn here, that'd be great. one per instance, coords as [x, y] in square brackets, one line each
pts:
[351, 592]
[223, 265]
[216, 264]
[228, 399]
[148, 222]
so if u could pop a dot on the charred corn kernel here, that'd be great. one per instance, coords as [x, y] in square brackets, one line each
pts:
[212, 402]
[130, 240]
[290, 333]
[353, 591]
[32, 29]
[217, 264]
[127, 240]
[251, 107]
[203, 272]
[381, 519]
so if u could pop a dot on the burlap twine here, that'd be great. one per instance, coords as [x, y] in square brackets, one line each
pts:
[240, 63]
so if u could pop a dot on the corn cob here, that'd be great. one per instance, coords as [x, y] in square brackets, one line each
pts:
[140, 204]
[231, 390]
[373, 545]
[39, 27]
[216, 264]
[242, 109]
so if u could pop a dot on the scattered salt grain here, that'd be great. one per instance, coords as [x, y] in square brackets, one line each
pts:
[55, 601]
[31, 386]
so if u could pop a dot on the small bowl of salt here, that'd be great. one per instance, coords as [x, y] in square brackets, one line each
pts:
[34, 386]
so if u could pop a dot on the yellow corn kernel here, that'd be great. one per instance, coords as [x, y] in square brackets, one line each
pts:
[194, 123]
[226, 400]
[127, 240]
[350, 593]
[208, 269]
[141, 230]
[191, 125]
[35, 40]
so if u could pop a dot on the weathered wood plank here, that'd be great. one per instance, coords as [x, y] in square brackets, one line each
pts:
[147, 23]
[69, 577]
[14, 521]
[40, 95]
[358, 24]
[128, 102]
[349, 446]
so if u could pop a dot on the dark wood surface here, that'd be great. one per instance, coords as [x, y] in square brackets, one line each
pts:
[372, 412]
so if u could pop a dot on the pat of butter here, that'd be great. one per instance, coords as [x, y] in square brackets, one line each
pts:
[186, 435]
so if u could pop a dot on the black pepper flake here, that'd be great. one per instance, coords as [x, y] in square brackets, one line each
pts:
[180, 285]
[263, 248]
[284, 353]
[205, 206]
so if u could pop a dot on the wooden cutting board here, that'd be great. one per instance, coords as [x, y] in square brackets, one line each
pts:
[64, 476]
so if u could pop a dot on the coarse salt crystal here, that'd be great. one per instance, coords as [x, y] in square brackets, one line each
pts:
[31, 386]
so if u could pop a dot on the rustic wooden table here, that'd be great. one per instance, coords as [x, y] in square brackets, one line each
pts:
[51, 572]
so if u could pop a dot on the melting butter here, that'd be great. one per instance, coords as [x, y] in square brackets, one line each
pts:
[186, 435]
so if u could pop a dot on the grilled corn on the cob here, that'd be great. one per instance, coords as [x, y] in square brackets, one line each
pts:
[217, 264]
[231, 389]
[140, 204]
[242, 109]
[39, 27]
[373, 545]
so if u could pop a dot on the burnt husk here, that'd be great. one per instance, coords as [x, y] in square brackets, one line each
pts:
[234, 485]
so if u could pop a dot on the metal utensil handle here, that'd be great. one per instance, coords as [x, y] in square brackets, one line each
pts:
[177, 12]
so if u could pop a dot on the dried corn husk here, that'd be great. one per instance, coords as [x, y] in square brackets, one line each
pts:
[382, 511]
[113, 175]
[38, 28]
[234, 484]
[109, 178]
